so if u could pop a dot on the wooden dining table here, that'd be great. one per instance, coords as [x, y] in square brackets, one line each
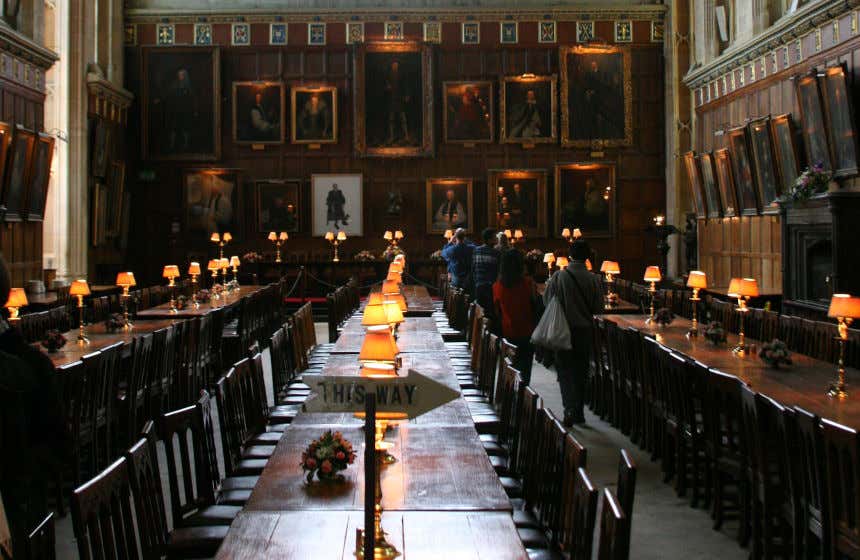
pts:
[620, 306]
[227, 300]
[418, 301]
[803, 384]
[413, 336]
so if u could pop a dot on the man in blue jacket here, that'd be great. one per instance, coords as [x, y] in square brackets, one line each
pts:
[458, 254]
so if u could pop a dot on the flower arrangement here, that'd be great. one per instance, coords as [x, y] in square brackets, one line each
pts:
[53, 341]
[812, 181]
[436, 256]
[664, 316]
[217, 289]
[114, 322]
[535, 255]
[392, 251]
[715, 333]
[203, 296]
[775, 353]
[181, 302]
[252, 257]
[327, 456]
[365, 256]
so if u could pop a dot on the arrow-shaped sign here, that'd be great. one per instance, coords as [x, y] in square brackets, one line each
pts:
[414, 394]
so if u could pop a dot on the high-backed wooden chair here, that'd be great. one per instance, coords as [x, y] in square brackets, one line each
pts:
[41, 542]
[614, 543]
[812, 534]
[97, 416]
[842, 462]
[579, 509]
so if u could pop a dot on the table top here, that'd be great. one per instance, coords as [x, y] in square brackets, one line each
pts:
[414, 335]
[100, 338]
[802, 384]
[418, 301]
[163, 311]
[619, 307]
[294, 535]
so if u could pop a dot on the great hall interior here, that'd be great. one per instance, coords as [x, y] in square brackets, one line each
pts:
[472, 279]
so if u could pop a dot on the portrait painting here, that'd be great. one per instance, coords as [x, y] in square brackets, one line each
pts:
[16, 180]
[258, 112]
[812, 121]
[585, 198]
[114, 195]
[785, 150]
[468, 108]
[100, 147]
[517, 200]
[181, 103]
[40, 177]
[278, 205]
[742, 167]
[839, 114]
[764, 166]
[449, 204]
[528, 109]
[694, 179]
[211, 200]
[727, 194]
[336, 204]
[393, 100]
[314, 114]
[709, 181]
[596, 97]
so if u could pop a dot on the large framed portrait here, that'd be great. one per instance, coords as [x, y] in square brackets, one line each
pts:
[181, 98]
[766, 177]
[745, 185]
[100, 147]
[785, 150]
[114, 196]
[517, 200]
[694, 178]
[337, 203]
[585, 198]
[394, 100]
[258, 112]
[528, 110]
[596, 97]
[839, 112]
[449, 204]
[812, 119]
[16, 181]
[39, 177]
[727, 194]
[709, 185]
[468, 108]
[314, 114]
[278, 203]
[211, 200]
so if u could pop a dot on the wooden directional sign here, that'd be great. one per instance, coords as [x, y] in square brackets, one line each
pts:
[413, 394]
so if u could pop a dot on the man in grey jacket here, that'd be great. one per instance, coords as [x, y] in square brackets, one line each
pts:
[581, 296]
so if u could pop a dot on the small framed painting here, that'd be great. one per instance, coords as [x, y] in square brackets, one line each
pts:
[529, 109]
[258, 112]
[585, 198]
[694, 179]
[468, 108]
[517, 200]
[449, 204]
[336, 204]
[314, 114]
[742, 165]
[839, 112]
[709, 185]
[765, 170]
[726, 182]
[812, 121]
[211, 200]
[40, 177]
[16, 180]
[785, 149]
[278, 203]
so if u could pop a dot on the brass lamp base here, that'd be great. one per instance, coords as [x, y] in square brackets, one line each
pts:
[693, 332]
[381, 550]
[837, 391]
[83, 340]
[740, 351]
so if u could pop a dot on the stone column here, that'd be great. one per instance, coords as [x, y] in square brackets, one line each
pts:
[79, 52]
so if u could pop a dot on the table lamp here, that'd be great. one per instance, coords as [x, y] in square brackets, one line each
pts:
[375, 318]
[213, 266]
[742, 289]
[221, 240]
[335, 241]
[223, 265]
[588, 265]
[562, 262]
[278, 240]
[448, 234]
[398, 236]
[610, 269]
[80, 289]
[234, 262]
[697, 280]
[125, 280]
[393, 313]
[844, 308]
[652, 276]
[395, 266]
[171, 272]
[571, 236]
[519, 236]
[548, 259]
[379, 346]
[508, 234]
[390, 288]
[17, 299]
[194, 272]
[375, 298]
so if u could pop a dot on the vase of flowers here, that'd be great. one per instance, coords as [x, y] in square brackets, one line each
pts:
[436, 256]
[252, 257]
[114, 322]
[365, 256]
[715, 333]
[775, 353]
[392, 251]
[53, 341]
[664, 316]
[203, 296]
[181, 302]
[327, 456]
[812, 181]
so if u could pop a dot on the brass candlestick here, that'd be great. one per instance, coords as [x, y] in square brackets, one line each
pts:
[743, 289]
[652, 292]
[741, 348]
[694, 330]
[837, 390]
[382, 549]
[127, 326]
[335, 241]
[194, 301]
[82, 337]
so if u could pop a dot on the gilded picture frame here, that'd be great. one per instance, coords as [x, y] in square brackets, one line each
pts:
[765, 169]
[305, 114]
[694, 179]
[744, 172]
[445, 204]
[727, 194]
[815, 138]
[258, 113]
[525, 207]
[39, 178]
[519, 125]
[468, 108]
[585, 194]
[840, 117]
[783, 132]
[609, 92]
[17, 175]
[5, 145]
[412, 131]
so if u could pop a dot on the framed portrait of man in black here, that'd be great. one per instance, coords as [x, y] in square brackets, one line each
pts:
[528, 109]
[39, 177]
[258, 112]
[694, 178]
[812, 121]
[393, 100]
[517, 200]
[785, 150]
[180, 99]
[468, 109]
[709, 185]
[596, 96]
[765, 168]
[727, 195]
[278, 204]
[449, 204]
[211, 200]
[839, 112]
[314, 114]
[585, 198]
[17, 179]
[337, 204]
[742, 166]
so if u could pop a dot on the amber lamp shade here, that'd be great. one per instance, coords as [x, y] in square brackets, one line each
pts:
[378, 346]
[374, 316]
[395, 266]
[388, 236]
[565, 233]
[393, 312]
[194, 268]
[79, 288]
[652, 274]
[375, 298]
[223, 263]
[844, 306]
[576, 233]
[215, 238]
[697, 279]
[273, 236]
[518, 234]
[341, 236]
[548, 258]
[588, 264]
[328, 235]
[448, 234]
[17, 298]
[226, 238]
[390, 288]
[562, 262]
[213, 265]
[398, 234]
[610, 267]
[125, 279]
[234, 261]
[399, 300]
[743, 288]
[394, 277]
[170, 271]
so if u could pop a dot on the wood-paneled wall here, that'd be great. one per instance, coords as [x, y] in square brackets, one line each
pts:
[640, 181]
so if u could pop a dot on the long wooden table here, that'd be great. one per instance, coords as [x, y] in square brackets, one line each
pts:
[415, 335]
[621, 306]
[418, 301]
[802, 384]
[100, 338]
[225, 301]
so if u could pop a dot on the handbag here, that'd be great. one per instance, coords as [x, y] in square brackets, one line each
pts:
[552, 331]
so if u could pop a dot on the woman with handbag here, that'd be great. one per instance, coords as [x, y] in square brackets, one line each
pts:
[513, 298]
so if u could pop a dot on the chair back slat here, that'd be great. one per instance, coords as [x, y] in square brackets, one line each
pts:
[614, 541]
[579, 509]
[145, 479]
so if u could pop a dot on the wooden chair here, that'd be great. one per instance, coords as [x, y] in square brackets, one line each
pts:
[41, 542]
[842, 462]
[237, 461]
[809, 485]
[97, 419]
[614, 543]
[626, 483]
[138, 384]
[579, 509]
